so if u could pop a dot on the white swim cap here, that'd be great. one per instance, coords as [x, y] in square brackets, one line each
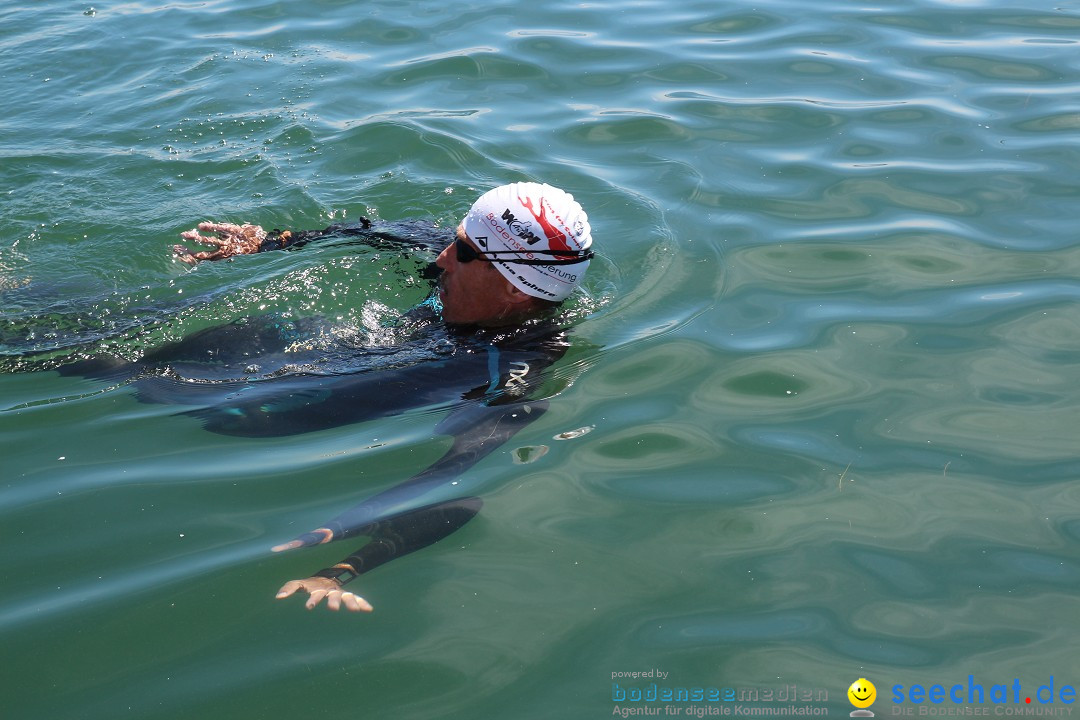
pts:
[533, 223]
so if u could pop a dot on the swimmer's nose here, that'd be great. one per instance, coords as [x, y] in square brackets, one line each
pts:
[446, 257]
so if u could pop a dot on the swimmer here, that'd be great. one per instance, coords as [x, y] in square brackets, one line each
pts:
[519, 252]
[527, 232]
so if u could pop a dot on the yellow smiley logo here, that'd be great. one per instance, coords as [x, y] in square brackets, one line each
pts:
[862, 693]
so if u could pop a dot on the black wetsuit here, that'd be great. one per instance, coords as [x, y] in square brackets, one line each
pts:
[254, 378]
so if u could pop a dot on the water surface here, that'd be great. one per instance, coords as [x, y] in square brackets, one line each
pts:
[828, 354]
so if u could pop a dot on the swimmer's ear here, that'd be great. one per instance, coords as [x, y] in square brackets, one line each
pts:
[515, 296]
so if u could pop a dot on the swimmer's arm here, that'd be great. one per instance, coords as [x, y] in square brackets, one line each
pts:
[391, 538]
[478, 431]
[229, 239]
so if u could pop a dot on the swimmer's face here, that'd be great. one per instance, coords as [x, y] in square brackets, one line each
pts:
[473, 293]
[862, 693]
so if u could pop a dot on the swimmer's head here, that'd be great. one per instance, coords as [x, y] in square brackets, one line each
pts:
[536, 235]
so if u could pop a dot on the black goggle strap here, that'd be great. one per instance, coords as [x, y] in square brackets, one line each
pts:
[466, 253]
[587, 255]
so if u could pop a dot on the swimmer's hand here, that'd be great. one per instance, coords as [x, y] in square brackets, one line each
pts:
[329, 588]
[315, 537]
[231, 240]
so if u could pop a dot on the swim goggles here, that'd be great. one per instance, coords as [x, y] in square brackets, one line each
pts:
[467, 253]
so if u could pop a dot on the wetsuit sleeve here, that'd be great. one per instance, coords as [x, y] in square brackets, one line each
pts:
[405, 234]
[281, 239]
[499, 411]
[394, 533]
[403, 534]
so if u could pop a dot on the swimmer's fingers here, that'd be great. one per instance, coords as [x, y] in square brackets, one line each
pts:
[231, 240]
[289, 588]
[316, 587]
[240, 239]
[183, 254]
[186, 256]
[233, 232]
[333, 600]
[351, 601]
[315, 537]
[220, 228]
[316, 598]
[291, 545]
[355, 603]
[194, 236]
[319, 588]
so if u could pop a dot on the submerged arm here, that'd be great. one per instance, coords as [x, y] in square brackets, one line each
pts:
[478, 431]
[390, 538]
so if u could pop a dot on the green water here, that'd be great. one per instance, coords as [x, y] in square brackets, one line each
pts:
[828, 352]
